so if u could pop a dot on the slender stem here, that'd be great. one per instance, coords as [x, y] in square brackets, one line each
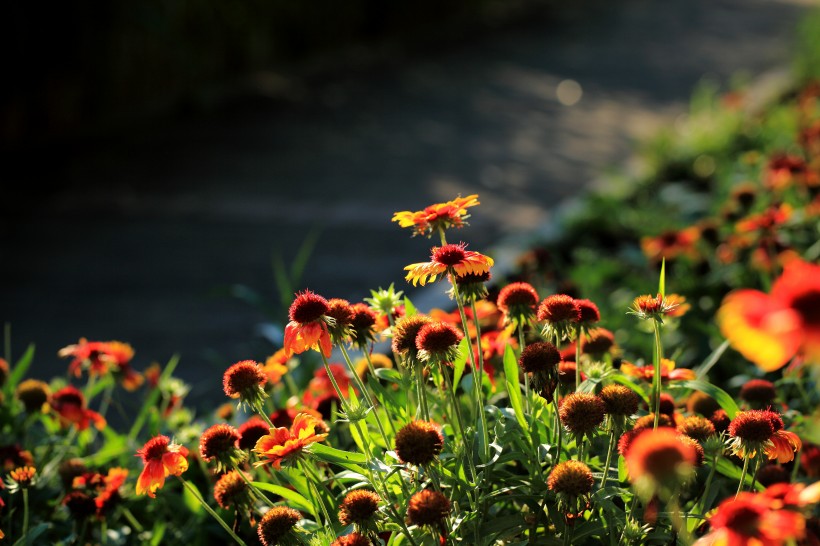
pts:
[132, 520]
[459, 419]
[342, 399]
[25, 514]
[313, 484]
[678, 522]
[193, 490]
[422, 392]
[367, 398]
[578, 336]
[521, 345]
[375, 378]
[560, 436]
[656, 377]
[742, 475]
[609, 451]
[261, 411]
[103, 532]
[255, 492]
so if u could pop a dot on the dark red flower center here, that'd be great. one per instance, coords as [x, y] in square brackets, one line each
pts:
[308, 307]
[808, 306]
[450, 254]
[438, 337]
[744, 519]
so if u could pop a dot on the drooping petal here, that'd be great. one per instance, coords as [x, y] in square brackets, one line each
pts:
[151, 478]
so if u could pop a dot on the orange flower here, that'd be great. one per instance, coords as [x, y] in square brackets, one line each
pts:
[668, 371]
[308, 326]
[276, 366]
[101, 357]
[283, 444]
[437, 217]
[69, 403]
[453, 259]
[770, 329]
[105, 488]
[767, 220]
[320, 392]
[671, 244]
[751, 520]
[162, 459]
[655, 307]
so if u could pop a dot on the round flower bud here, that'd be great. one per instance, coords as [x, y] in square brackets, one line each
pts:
[572, 478]
[231, 491]
[419, 443]
[428, 508]
[619, 400]
[758, 393]
[359, 507]
[697, 427]
[276, 526]
[581, 413]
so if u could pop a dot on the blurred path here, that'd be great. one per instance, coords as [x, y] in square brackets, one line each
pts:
[146, 229]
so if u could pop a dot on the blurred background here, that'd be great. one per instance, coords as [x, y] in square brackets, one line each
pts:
[173, 170]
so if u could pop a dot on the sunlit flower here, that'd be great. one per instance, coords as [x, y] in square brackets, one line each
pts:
[250, 431]
[560, 314]
[419, 443]
[770, 329]
[21, 478]
[659, 458]
[620, 401]
[245, 381]
[453, 259]
[590, 314]
[320, 394]
[756, 431]
[341, 312]
[572, 483]
[648, 421]
[219, 444]
[282, 444]
[518, 301]
[161, 459]
[353, 539]
[750, 520]
[404, 338]
[668, 371]
[275, 367]
[697, 427]
[428, 508]
[101, 489]
[69, 404]
[671, 244]
[359, 507]
[472, 286]
[276, 526]
[653, 307]
[437, 217]
[438, 342]
[582, 413]
[363, 324]
[101, 357]
[308, 326]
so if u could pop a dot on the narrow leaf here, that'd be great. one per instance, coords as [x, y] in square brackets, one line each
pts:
[513, 386]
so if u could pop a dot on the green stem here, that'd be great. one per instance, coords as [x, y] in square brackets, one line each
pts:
[743, 475]
[193, 490]
[422, 392]
[678, 522]
[367, 398]
[25, 514]
[342, 399]
[578, 335]
[372, 370]
[459, 419]
[313, 482]
[560, 435]
[609, 451]
[656, 377]
[521, 344]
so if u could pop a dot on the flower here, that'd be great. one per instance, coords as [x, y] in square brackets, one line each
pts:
[671, 244]
[810, 460]
[342, 314]
[560, 313]
[219, 444]
[750, 520]
[572, 482]
[599, 342]
[69, 403]
[232, 491]
[81, 505]
[762, 430]
[4, 371]
[540, 361]
[428, 508]
[359, 507]
[101, 357]
[320, 394]
[518, 301]
[668, 371]
[653, 307]
[582, 413]
[245, 380]
[363, 322]
[277, 525]
[13, 456]
[771, 474]
[648, 421]
[34, 394]
[721, 420]
[250, 431]
[419, 443]
[276, 366]
[438, 342]
[22, 478]
[697, 427]
[437, 217]
[471, 286]
[161, 458]
[102, 490]
[702, 403]
[453, 259]
[308, 326]
[768, 220]
[770, 329]
[404, 337]
[759, 393]
[659, 458]
[282, 444]
[619, 400]
[353, 539]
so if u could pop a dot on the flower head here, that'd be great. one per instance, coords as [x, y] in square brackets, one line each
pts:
[652, 307]
[22, 478]
[283, 445]
[540, 361]
[599, 342]
[404, 337]
[342, 314]
[277, 525]
[353, 539]
[245, 380]
[419, 443]
[657, 458]
[308, 326]
[770, 329]
[34, 394]
[69, 403]
[471, 286]
[428, 508]
[363, 323]
[275, 367]
[668, 371]
[582, 413]
[697, 427]
[619, 400]
[231, 491]
[572, 482]
[453, 259]
[438, 342]
[758, 393]
[359, 507]
[751, 519]
[560, 314]
[701, 403]
[161, 458]
[437, 217]
[771, 474]
[518, 301]
[219, 444]
[648, 421]
[721, 420]
[101, 357]
[250, 431]
[754, 431]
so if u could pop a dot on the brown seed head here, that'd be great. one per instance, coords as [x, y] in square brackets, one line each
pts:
[697, 427]
[34, 394]
[231, 491]
[755, 426]
[559, 308]
[572, 478]
[759, 393]
[539, 357]
[242, 378]
[582, 413]
[276, 524]
[419, 443]
[428, 508]
[307, 307]
[359, 507]
[619, 400]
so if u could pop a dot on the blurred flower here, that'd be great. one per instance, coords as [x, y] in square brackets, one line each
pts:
[770, 329]
[758, 393]
[771, 474]
[250, 431]
[232, 492]
[697, 427]
[34, 394]
[276, 366]
[518, 302]
[308, 326]
[101, 357]
[320, 393]
[453, 259]
[21, 478]
[282, 444]
[379, 361]
[419, 443]
[768, 220]
[658, 458]
[784, 171]
[671, 244]
[69, 403]
[276, 526]
[4, 371]
[668, 371]
[437, 217]
[102, 489]
[598, 343]
[810, 460]
[161, 458]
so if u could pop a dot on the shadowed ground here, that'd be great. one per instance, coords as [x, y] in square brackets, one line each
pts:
[144, 233]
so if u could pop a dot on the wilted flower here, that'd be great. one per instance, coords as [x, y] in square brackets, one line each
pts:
[437, 217]
[308, 326]
[276, 526]
[219, 444]
[69, 403]
[560, 314]
[245, 380]
[161, 458]
[453, 259]
[283, 445]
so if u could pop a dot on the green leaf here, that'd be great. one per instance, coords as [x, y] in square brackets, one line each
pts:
[151, 401]
[721, 397]
[662, 279]
[332, 455]
[514, 387]
[409, 308]
[389, 374]
[713, 358]
[460, 362]
[33, 534]
[20, 368]
[191, 501]
[157, 533]
[288, 494]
